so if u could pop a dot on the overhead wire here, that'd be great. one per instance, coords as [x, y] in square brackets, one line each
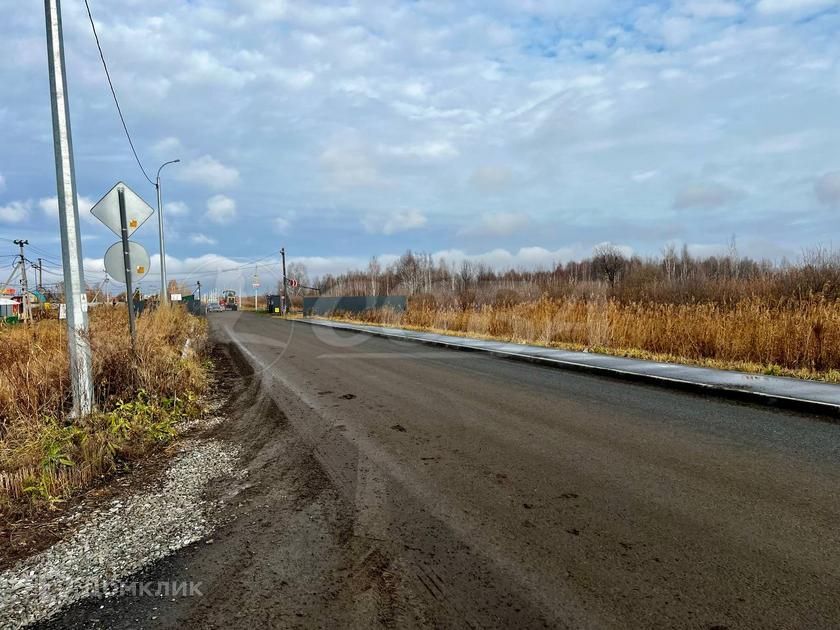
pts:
[114, 93]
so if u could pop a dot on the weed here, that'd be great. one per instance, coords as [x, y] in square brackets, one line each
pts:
[45, 455]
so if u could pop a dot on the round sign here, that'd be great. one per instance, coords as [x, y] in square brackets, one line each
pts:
[115, 267]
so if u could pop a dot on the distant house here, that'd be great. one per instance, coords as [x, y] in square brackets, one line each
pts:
[8, 307]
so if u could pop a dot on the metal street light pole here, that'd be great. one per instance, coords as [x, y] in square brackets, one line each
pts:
[81, 374]
[164, 294]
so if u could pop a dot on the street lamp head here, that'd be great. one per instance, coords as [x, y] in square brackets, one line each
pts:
[163, 283]
[161, 168]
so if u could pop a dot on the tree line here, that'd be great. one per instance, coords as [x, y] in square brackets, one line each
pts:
[674, 276]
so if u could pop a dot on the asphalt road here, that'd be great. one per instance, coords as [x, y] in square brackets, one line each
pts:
[436, 488]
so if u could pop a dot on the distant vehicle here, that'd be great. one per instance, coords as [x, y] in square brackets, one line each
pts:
[213, 307]
[229, 300]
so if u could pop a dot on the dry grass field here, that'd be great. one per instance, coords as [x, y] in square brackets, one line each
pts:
[44, 455]
[723, 311]
[798, 338]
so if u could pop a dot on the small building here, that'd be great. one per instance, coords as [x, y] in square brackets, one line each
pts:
[8, 308]
[274, 303]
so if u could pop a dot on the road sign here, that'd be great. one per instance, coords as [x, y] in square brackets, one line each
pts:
[115, 265]
[292, 282]
[107, 210]
[175, 297]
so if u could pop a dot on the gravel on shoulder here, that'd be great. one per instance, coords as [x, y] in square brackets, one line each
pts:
[118, 539]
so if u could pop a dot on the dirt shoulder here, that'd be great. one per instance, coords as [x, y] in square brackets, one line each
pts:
[285, 554]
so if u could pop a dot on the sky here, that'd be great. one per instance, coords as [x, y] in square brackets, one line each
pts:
[519, 133]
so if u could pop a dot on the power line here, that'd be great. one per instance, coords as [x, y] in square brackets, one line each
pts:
[114, 93]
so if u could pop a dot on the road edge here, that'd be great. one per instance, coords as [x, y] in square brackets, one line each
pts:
[825, 410]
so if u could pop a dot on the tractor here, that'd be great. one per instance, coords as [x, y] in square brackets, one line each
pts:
[228, 300]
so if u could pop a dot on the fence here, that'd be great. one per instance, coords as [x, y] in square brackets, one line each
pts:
[352, 304]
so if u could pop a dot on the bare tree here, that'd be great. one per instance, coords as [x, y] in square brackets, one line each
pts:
[374, 269]
[466, 275]
[409, 272]
[608, 262]
[297, 271]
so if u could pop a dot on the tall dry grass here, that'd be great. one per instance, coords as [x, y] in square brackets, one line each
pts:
[43, 452]
[792, 337]
[34, 379]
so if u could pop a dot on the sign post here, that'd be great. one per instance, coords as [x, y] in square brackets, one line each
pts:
[129, 294]
[123, 211]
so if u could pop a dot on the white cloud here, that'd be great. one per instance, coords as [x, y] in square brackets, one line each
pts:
[202, 239]
[308, 41]
[705, 195]
[524, 258]
[712, 8]
[677, 30]
[202, 69]
[348, 165]
[792, 6]
[399, 221]
[15, 212]
[432, 150]
[220, 209]
[416, 89]
[175, 209]
[2, 182]
[208, 171]
[168, 148]
[450, 107]
[785, 143]
[643, 176]
[499, 224]
[827, 189]
[266, 10]
[294, 78]
[49, 206]
[491, 178]
[281, 225]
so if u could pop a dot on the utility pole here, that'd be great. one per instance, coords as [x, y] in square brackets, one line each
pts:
[23, 281]
[164, 291]
[285, 282]
[68, 214]
[11, 275]
[198, 288]
[40, 275]
[256, 285]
